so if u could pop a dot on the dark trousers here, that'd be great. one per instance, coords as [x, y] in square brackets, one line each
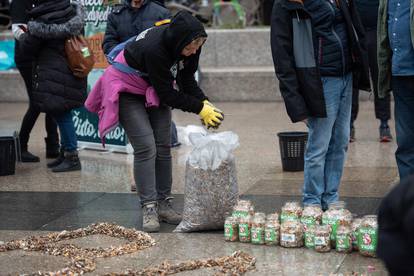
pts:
[33, 113]
[149, 131]
[382, 106]
[403, 90]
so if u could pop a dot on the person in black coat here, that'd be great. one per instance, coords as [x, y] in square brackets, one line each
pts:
[368, 9]
[129, 19]
[166, 57]
[18, 10]
[317, 46]
[396, 228]
[55, 89]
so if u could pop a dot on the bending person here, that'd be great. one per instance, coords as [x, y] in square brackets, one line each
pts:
[163, 59]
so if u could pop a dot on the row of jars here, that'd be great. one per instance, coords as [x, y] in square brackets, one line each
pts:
[310, 226]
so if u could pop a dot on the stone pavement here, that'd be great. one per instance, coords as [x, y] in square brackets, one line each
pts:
[35, 201]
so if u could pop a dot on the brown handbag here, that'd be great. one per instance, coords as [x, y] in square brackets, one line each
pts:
[79, 55]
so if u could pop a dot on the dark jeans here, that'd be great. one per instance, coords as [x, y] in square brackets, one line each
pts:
[68, 139]
[403, 90]
[382, 106]
[33, 113]
[149, 131]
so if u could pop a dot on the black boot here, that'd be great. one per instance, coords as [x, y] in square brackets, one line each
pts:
[52, 148]
[26, 156]
[70, 163]
[58, 161]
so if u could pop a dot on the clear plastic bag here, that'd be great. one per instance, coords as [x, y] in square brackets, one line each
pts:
[211, 189]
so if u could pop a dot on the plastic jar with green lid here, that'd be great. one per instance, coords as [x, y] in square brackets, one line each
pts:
[322, 239]
[291, 211]
[231, 229]
[258, 228]
[368, 236]
[344, 239]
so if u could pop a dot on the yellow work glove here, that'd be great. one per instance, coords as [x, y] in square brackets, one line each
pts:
[210, 115]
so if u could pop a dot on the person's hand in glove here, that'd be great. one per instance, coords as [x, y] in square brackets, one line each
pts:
[210, 115]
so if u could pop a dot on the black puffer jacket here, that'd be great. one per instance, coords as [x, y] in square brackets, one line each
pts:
[55, 88]
[125, 22]
[330, 37]
[396, 228]
[295, 55]
[157, 52]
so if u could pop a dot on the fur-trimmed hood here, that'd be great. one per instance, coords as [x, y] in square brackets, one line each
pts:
[59, 31]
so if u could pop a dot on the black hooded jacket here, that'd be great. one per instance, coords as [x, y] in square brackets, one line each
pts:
[297, 54]
[125, 22]
[55, 89]
[157, 52]
[396, 228]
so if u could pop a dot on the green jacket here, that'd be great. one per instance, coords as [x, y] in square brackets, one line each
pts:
[384, 52]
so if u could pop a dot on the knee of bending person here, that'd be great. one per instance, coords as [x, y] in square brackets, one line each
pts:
[144, 150]
[164, 151]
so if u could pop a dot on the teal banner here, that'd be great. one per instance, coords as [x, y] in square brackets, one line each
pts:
[86, 123]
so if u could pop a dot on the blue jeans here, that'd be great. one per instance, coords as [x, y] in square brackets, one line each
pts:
[68, 140]
[328, 143]
[403, 90]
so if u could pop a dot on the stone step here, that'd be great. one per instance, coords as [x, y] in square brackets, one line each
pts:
[240, 84]
[237, 47]
[220, 84]
[245, 84]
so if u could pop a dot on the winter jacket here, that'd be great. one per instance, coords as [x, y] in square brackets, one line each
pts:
[331, 37]
[296, 54]
[104, 96]
[384, 52]
[368, 10]
[157, 52]
[125, 22]
[396, 228]
[55, 88]
[18, 13]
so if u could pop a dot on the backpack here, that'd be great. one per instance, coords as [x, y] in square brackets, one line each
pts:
[119, 66]
[79, 55]
[121, 46]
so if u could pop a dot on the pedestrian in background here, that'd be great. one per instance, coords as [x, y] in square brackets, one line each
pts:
[18, 10]
[316, 47]
[130, 19]
[368, 9]
[396, 73]
[56, 90]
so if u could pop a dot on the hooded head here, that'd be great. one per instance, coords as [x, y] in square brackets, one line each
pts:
[183, 29]
[51, 11]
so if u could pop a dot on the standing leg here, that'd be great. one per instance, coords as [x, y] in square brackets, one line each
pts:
[382, 106]
[161, 124]
[135, 120]
[69, 141]
[320, 131]
[336, 155]
[354, 112]
[403, 89]
[52, 139]
[29, 118]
